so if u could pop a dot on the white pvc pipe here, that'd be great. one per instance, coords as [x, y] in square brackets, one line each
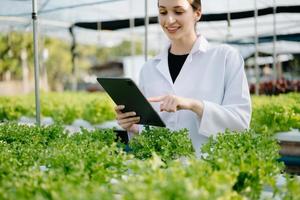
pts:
[146, 30]
[228, 22]
[36, 61]
[274, 41]
[132, 24]
[256, 49]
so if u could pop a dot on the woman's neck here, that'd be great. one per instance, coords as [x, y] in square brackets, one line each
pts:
[183, 45]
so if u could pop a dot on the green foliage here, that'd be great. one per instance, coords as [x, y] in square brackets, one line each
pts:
[11, 45]
[62, 107]
[105, 54]
[193, 180]
[10, 50]
[49, 163]
[44, 163]
[275, 114]
[165, 143]
[99, 110]
[253, 156]
[58, 64]
[291, 190]
[270, 114]
[11, 108]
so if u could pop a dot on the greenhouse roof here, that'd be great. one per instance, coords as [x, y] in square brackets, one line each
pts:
[56, 16]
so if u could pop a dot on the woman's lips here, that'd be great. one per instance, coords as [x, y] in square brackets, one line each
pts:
[172, 29]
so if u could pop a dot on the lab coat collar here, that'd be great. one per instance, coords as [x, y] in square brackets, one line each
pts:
[201, 45]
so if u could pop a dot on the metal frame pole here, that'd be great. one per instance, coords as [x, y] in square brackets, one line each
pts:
[73, 59]
[36, 61]
[146, 29]
[274, 41]
[256, 49]
[132, 49]
[228, 22]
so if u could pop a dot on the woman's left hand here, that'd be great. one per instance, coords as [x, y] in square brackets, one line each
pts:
[172, 103]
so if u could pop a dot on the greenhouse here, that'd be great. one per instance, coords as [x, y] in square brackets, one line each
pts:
[138, 99]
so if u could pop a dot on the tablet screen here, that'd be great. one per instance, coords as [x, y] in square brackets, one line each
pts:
[124, 91]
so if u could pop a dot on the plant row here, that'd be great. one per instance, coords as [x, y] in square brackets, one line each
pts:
[48, 163]
[61, 107]
[271, 114]
[275, 87]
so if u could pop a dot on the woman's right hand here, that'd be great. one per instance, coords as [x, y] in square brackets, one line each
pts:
[128, 120]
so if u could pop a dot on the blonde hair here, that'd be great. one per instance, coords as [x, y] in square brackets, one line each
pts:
[196, 4]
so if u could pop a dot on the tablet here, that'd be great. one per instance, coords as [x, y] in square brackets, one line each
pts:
[124, 91]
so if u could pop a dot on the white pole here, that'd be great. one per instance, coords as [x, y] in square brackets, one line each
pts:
[132, 24]
[228, 22]
[146, 29]
[256, 49]
[36, 61]
[274, 41]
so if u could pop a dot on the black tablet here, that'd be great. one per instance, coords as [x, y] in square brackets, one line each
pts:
[124, 91]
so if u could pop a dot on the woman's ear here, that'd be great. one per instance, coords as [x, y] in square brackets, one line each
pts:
[198, 15]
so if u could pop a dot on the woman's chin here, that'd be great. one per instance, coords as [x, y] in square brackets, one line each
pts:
[173, 36]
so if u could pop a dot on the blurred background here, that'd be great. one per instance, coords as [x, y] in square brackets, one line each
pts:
[84, 39]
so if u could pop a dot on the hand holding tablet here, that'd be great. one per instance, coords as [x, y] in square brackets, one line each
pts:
[124, 91]
[127, 120]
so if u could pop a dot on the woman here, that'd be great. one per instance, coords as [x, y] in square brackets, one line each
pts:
[191, 84]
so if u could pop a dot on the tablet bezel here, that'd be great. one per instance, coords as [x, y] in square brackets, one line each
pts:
[123, 91]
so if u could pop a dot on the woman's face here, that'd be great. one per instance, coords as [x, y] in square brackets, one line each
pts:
[177, 18]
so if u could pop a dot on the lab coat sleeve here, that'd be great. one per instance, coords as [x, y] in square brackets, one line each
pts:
[142, 88]
[234, 113]
[141, 80]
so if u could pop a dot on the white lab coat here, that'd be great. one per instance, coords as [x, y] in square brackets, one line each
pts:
[213, 75]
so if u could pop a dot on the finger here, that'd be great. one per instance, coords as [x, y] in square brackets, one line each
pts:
[162, 107]
[118, 108]
[156, 99]
[128, 120]
[125, 115]
[131, 123]
[165, 104]
[175, 105]
[169, 106]
[127, 125]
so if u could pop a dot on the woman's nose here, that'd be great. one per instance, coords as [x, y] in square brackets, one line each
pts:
[170, 19]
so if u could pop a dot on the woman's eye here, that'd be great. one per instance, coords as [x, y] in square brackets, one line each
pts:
[163, 13]
[178, 12]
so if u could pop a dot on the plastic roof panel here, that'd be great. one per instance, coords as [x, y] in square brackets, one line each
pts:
[16, 14]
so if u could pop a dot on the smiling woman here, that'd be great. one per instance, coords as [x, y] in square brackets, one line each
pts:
[178, 21]
[191, 84]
